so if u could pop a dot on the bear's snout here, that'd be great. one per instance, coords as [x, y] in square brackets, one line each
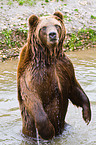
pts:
[52, 36]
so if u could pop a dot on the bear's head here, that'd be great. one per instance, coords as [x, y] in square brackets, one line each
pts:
[47, 32]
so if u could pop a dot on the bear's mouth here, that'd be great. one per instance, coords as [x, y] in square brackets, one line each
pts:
[53, 40]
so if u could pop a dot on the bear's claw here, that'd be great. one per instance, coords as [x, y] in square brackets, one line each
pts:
[86, 115]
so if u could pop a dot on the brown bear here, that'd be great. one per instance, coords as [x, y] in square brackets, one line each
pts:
[46, 80]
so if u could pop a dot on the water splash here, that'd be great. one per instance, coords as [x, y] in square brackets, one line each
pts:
[37, 135]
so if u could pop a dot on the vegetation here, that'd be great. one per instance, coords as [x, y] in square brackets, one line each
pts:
[13, 40]
[83, 39]
[30, 2]
[10, 2]
[93, 17]
[76, 10]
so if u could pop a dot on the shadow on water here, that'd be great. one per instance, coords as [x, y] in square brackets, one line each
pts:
[75, 133]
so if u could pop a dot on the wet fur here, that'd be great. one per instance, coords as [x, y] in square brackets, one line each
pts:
[46, 81]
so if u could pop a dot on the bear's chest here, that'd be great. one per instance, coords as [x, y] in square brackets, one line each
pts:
[44, 80]
[49, 82]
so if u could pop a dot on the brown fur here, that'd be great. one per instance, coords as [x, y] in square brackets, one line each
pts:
[46, 79]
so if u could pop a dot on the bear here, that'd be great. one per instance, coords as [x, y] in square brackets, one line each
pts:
[46, 79]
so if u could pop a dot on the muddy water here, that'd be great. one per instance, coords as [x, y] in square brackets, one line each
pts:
[77, 133]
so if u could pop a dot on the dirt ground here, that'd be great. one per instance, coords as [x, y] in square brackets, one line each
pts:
[77, 13]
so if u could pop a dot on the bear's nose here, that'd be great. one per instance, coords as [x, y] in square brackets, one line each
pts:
[52, 35]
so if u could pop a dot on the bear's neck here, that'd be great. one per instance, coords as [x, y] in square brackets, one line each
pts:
[42, 55]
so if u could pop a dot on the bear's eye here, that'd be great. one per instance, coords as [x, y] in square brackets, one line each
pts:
[58, 27]
[43, 29]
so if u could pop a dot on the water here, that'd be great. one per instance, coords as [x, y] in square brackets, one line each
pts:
[37, 136]
[77, 133]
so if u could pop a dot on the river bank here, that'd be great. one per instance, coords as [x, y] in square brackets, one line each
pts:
[79, 19]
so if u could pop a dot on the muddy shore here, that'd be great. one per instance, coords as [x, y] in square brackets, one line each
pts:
[78, 14]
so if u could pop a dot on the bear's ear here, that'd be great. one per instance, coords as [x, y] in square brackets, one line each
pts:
[59, 14]
[32, 20]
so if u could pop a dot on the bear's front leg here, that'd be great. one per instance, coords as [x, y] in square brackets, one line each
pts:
[45, 128]
[35, 108]
[80, 99]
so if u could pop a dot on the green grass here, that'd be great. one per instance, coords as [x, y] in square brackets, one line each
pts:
[10, 2]
[89, 33]
[7, 35]
[30, 2]
[84, 38]
[65, 16]
[76, 10]
[65, 4]
[93, 17]
[13, 38]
